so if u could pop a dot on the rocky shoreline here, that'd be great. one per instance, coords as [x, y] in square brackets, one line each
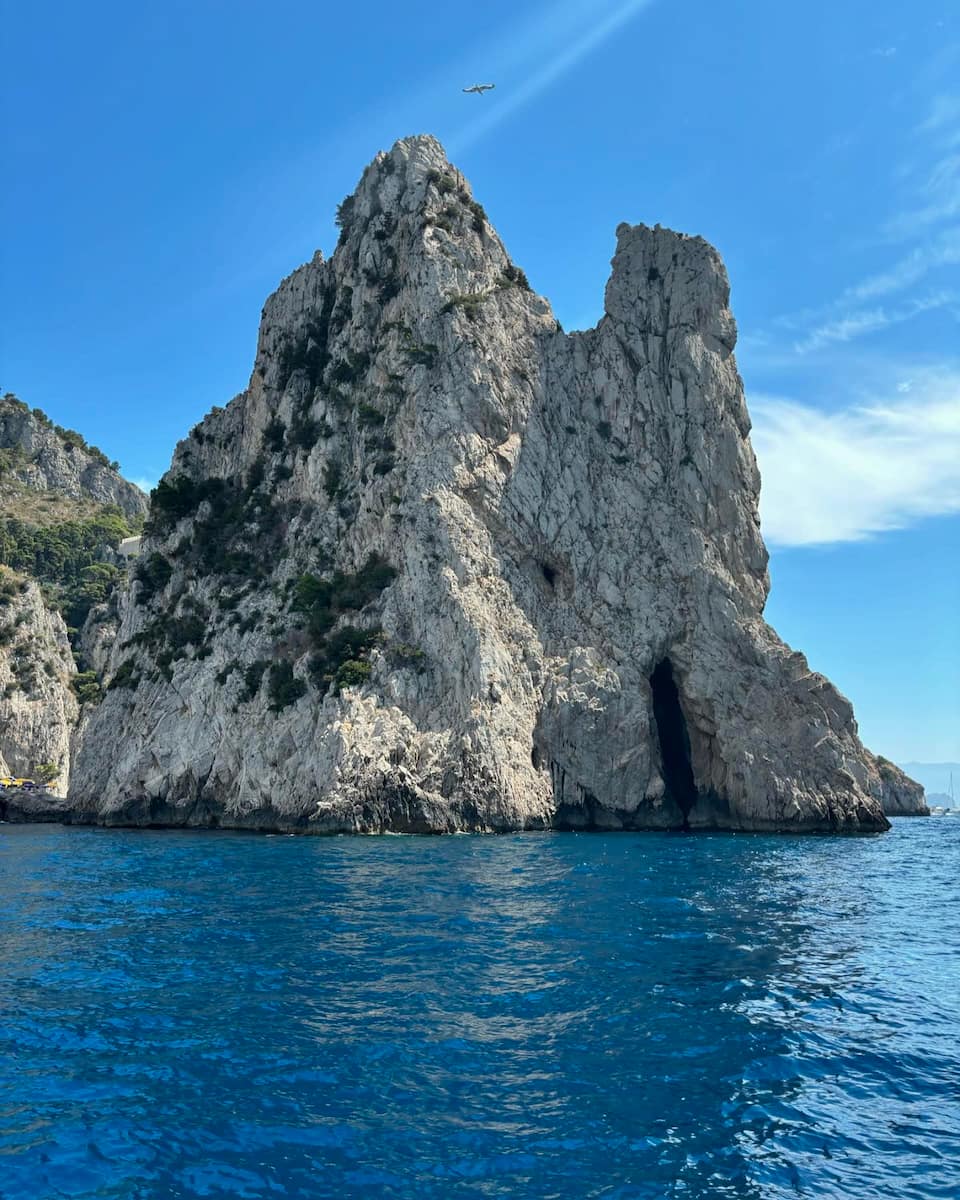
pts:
[36, 807]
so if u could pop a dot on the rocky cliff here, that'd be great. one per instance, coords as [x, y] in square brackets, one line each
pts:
[37, 706]
[900, 796]
[443, 567]
[42, 456]
[63, 510]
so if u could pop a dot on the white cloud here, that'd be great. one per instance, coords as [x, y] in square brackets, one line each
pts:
[929, 222]
[144, 484]
[943, 251]
[940, 200]
[844, 329]
[936, 193]
[844, 476]
[840, 321]
[944, 113]
[854, 325]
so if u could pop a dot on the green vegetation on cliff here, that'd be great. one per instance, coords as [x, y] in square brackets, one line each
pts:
[53, 527]
[67, 558]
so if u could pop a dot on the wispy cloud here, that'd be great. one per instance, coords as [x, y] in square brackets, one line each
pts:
[944, 114]
[856, 324]
[942, 251]
[847, 475]
[145, 484]
[934, 176]
[936, 199]
[930, 186]
[844, 329]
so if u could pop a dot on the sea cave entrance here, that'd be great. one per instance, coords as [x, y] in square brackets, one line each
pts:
[674, 739]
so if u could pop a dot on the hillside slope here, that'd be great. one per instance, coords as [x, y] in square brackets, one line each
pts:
[38, 456]
[63, 510]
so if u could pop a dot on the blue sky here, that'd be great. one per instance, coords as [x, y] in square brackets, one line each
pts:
[167, 164]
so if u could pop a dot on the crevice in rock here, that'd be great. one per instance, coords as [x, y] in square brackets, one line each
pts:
[674, 739]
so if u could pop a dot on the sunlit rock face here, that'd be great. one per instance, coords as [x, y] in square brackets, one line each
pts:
[46, 458]
[443, 567]
[900, 796]
[37, 706]
[51, 483]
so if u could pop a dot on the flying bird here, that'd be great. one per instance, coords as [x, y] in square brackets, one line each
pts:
[480, 88]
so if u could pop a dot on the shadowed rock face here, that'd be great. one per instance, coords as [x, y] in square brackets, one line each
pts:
[443, 567]
[673, 740]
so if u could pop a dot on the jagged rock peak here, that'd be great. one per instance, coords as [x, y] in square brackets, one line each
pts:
[443, 567]
[398, 180]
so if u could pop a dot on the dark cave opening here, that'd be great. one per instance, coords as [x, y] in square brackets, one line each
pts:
[549, 574]
[674, 739]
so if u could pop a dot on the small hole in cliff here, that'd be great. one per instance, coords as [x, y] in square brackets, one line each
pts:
[535, 758]
[674, 738]
[549, 574]
[653, 275]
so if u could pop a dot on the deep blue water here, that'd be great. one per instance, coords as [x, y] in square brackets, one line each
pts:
[628, 1016]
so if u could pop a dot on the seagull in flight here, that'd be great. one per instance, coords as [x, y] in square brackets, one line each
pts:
[479, 88]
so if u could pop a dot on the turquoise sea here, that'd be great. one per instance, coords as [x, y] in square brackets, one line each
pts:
[546, 1015]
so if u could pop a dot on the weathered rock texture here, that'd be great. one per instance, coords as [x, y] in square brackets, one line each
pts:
[50, 481]
[98, 635]
[46, 458]
[443, 567]
[900, 796]
[37, 707]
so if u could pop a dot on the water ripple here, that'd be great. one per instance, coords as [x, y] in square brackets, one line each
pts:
[632, 1017]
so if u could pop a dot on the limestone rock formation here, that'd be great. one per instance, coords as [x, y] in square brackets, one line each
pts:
[43, 457]
[443, 567]
[98, 635]
[59, 525]
[37, 707]
[900, 796]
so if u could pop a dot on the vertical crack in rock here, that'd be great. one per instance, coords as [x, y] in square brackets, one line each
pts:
[674, 739]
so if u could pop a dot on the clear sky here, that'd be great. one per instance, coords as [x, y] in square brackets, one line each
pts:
[167, 164]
